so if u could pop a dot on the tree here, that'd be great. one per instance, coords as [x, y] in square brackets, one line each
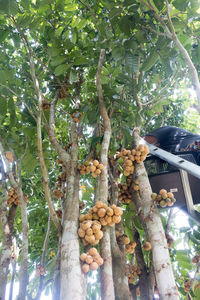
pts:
[77, 78]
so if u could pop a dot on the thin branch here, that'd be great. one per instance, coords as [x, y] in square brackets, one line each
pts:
[92, 14]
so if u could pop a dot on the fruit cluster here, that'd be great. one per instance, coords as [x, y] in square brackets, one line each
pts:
[13, 197]
[93, 167]
[40, 270]
[170, 240]
[76, 116]
[59, 213]
[91, 260]
[90, 232]
[136, 155]
[122, 239]
[46, 105]
[9, 156]
[132, 272]
[124, 193]
[136, 185]
[187, 286]
[97, 216]
[130, 248]
[147, 246]
[164, 198]
[196, 259]
[57, 193]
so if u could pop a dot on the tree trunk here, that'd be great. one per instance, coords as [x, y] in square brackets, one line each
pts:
[107, 286]
[7, 228]
[149, 214]
[72, 279]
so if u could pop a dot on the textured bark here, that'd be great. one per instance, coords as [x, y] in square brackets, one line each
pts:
[121, 285]
[23, 278]
[7, 230]
[72, 279]
[145, 278]
[149, 214]
[41, 281]
[107, 286]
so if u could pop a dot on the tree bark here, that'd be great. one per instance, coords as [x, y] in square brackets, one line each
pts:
[121, 286]
[72, 279]
[107, 286]
[149, 214]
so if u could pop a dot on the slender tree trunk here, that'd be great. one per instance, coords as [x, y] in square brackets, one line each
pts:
[72, 279]
[23, 278]
[41, 281]
[56, 279]
[7, 230]
[121, 286]
[149, 214]
[107, 286]
[145, 278]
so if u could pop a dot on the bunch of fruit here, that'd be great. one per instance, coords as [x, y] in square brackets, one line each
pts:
[136, 185]
[132, 272]
[122, 239]
[107, 215]
[187, 286]
[164, 198]
[40, 270]
[90, 232]
[46, 105]
[13, 197]
[137, 155]
[147, 246]
[91, 260]
[57, 193]
[170, 240]
[59, 213]
[196, 259]
[76, 116]
[93, 167]
[124, 194]
[9, 156]
[130, 248]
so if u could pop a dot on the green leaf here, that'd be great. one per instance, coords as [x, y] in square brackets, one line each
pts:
[131, 63]
[150, 61]
[180, 4]
[71, 7]
[61, 69]
[159, 4]
[73, 76]
[9, 7]
[29, 162]
[58, 60]
[3, 106]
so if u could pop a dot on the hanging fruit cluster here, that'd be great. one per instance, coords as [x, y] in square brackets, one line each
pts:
[147, 246]
[57, 193]
[132, 272]
[187, 286]
[59, 213]
[164, 198]
[136, 185]
[91, 260]
[9, 156]
[13, 197]
[170, 240]
[130, 248]
[97, 216]
[90, 232]
[93, 167]
[76, 116]
[122, 239]
[124, 193]
[129, 157]
[40, 270]
[196, 259]
[46, 105]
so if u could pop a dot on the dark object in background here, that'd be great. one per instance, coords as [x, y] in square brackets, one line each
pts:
[173, 139]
